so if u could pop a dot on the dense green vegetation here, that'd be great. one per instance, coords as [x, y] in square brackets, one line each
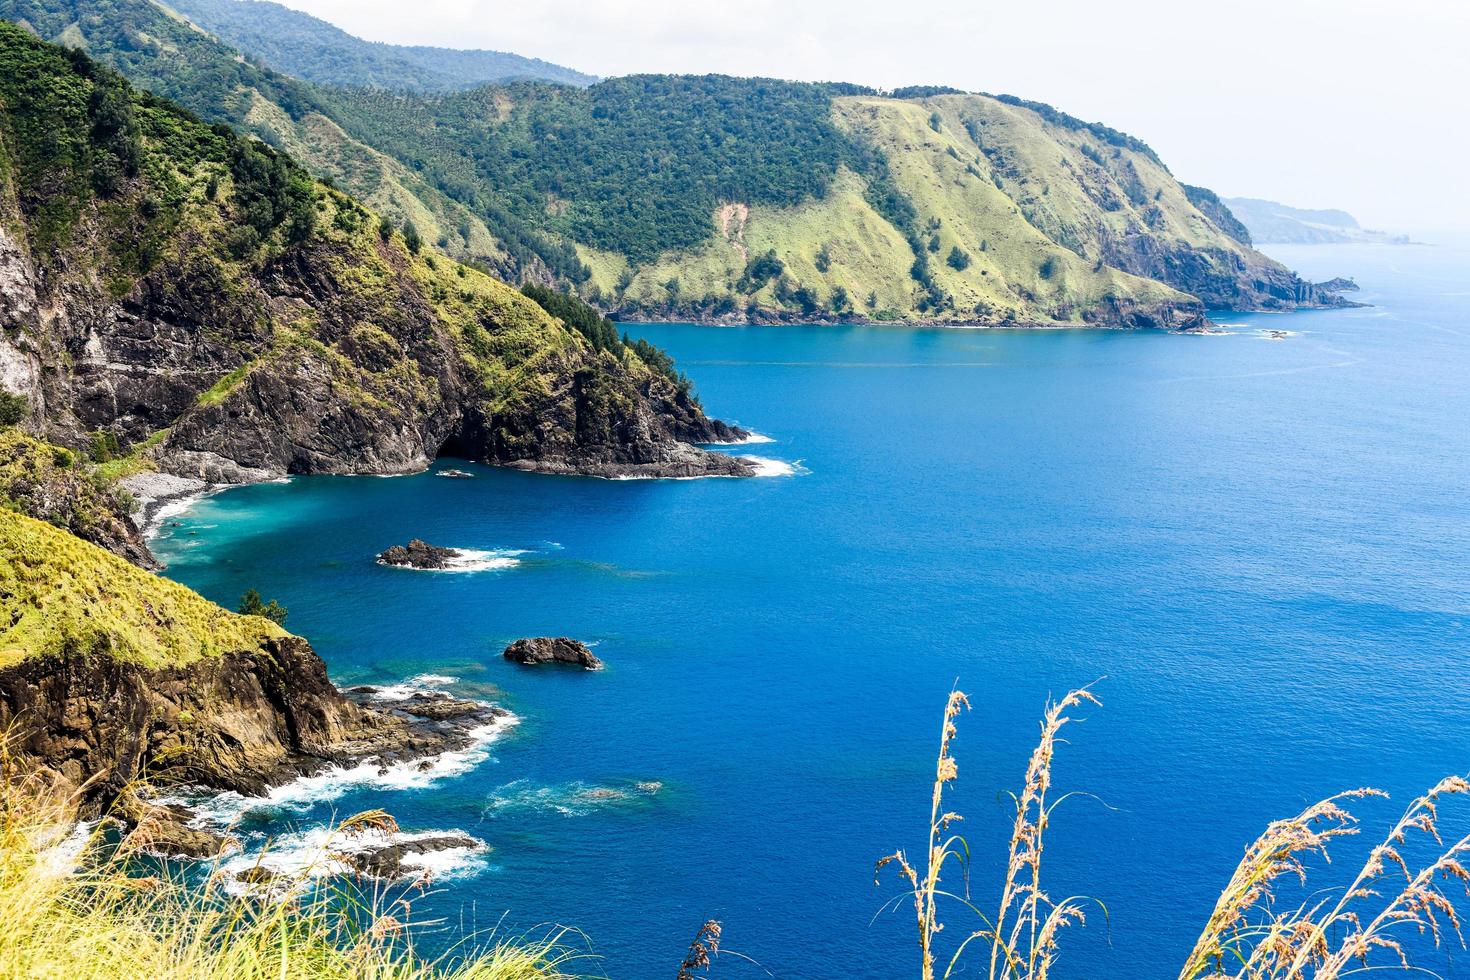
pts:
[602, 333]
[251, 604]
[80, 133]
[166, 56]
[301, 45]
[634, 165]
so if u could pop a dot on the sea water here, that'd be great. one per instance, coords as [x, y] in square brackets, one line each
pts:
[1255, 549]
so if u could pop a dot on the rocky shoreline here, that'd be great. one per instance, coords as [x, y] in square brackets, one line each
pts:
[161, 495]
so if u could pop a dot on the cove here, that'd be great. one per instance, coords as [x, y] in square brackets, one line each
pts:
[1259, 546]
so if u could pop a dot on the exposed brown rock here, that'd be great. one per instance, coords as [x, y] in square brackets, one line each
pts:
[547, 650]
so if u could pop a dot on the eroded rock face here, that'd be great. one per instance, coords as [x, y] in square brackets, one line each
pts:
[383, 388]
[553, 650]
[241, 721]
[418, 554]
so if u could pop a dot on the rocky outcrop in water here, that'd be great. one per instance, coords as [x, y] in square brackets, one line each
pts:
[390, 860]
[553, 650]
[418, 554]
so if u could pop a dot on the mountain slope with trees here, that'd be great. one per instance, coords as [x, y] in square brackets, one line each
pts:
[186, 297]
[740, 199]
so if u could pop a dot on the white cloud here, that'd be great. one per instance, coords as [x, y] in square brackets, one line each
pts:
[1354, 103]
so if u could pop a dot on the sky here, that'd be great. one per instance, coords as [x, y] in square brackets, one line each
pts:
[1355, 104]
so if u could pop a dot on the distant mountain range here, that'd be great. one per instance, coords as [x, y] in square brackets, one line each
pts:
[1271, 223]
[311, 49]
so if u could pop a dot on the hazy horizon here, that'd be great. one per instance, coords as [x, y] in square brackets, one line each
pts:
[1305, 102]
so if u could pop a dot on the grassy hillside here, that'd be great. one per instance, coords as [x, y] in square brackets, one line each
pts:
[159, 50]
[935, 206]
[303, 46]
[61, 595]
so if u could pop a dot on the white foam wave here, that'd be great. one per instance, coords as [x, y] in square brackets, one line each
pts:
[419, 684]
[64, 853]
[751, 439]
[771, 467]
[471, 560]
[575, 799]
[224, 810]
[292, 860]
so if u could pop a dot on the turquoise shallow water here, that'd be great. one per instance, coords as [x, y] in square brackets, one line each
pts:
[1261, 545]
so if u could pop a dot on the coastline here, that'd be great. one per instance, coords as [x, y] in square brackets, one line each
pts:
[163, 495]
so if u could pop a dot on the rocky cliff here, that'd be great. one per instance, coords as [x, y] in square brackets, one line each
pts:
[192, 299]
[110, 676]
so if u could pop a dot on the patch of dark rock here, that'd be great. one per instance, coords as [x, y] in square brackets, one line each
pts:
[418, 554]
[387, 862]
[256, 876]
[553, 650]
[164, 831]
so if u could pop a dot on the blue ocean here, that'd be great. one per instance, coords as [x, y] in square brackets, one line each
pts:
[1256, 548]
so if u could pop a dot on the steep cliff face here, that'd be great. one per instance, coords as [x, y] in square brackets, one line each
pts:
[110, 675]
[176, 292]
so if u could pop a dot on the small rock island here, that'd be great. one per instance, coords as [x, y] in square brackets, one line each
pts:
[418, 554]
[553, 650]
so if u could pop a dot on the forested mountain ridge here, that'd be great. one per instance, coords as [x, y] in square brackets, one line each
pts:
[721, 197]
[180, 296]
[299, 44]
[159, 50]
[746, 199]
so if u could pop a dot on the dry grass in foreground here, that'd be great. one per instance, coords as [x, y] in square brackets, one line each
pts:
[1360, 927]
[74, 908]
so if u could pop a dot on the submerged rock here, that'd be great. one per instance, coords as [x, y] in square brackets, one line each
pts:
[418, 554]
[547, 650]
[388, 861]
[165, 831]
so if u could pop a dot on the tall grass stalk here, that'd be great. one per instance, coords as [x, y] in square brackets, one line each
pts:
[74, 905]
[1022, 936]
[1247, 939]
[1361, 927]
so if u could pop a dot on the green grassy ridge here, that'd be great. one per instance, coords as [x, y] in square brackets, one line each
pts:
[641, 173]
[60, 595]
[162, 52]
[1009, 269]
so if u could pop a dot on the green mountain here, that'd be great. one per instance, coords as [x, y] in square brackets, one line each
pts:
[740, 199]
[301, 45]
[181, 296]
[753, 198]
[159, 50]
[1277, 224]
